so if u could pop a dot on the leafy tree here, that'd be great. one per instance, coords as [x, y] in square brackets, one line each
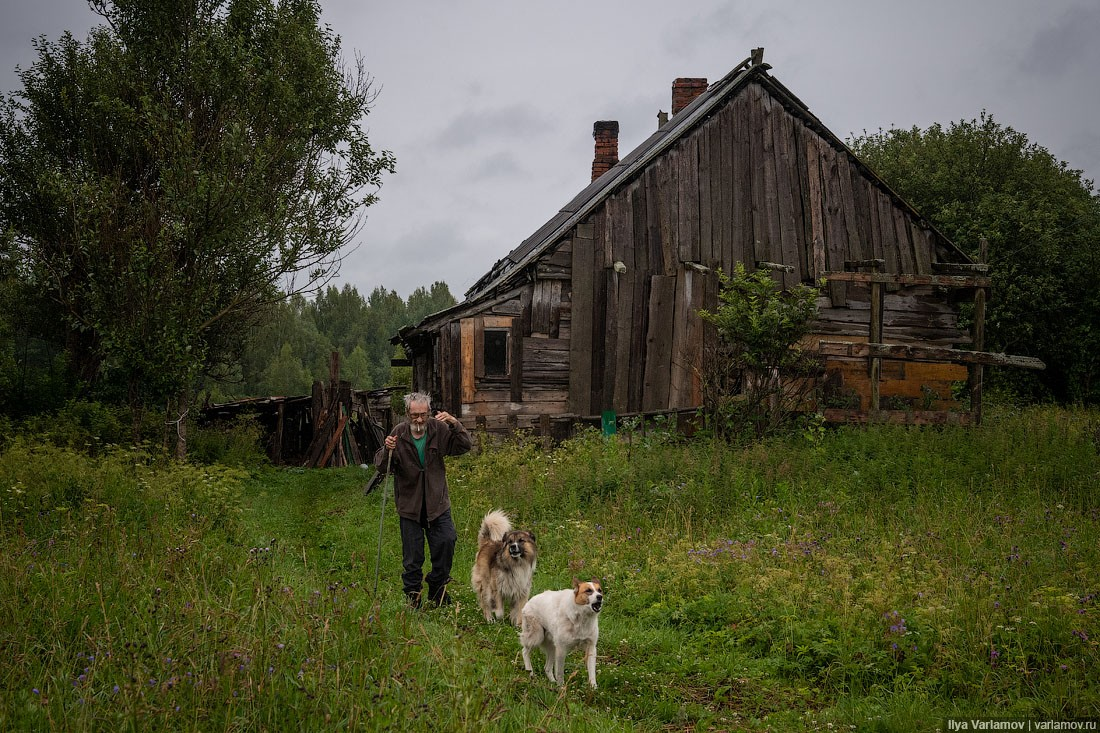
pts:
[386, 315]
[423, 302]
[753, 382]
[340, 315]
[977, 179]
[186, 165]
[286, 323]
[357, 370]
[285, 375]
[33, 364]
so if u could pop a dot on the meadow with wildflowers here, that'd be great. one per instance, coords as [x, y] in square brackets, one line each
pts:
[879, 578]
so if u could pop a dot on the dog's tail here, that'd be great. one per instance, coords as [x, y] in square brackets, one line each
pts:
[494, 526]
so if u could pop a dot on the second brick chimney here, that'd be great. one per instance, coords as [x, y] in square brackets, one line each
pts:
[606, 133]
[684, 92]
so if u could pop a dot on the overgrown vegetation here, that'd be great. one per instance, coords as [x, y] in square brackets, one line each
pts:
[758, 379]
[978, 179]
[869, 579]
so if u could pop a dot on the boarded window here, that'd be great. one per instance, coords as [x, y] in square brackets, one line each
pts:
[496, 353]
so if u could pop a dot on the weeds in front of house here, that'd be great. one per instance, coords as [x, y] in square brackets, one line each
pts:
[877, 578]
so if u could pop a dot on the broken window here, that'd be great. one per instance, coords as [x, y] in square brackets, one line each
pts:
[496, 353]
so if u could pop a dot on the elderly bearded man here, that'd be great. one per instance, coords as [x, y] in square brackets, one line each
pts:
[415, 451]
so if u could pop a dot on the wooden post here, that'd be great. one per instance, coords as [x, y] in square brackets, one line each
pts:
[544, 430]
[875, 336]
[277, 448]
[977, 335]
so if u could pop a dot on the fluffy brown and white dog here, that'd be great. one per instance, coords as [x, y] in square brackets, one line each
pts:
[503, 568]
[558, 621]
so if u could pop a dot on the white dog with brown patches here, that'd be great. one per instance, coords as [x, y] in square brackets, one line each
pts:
[558, 621]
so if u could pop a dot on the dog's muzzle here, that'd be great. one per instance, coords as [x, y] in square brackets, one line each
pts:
[597, 604]
[515, 550]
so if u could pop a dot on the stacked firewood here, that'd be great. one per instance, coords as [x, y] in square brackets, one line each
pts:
[344, 430]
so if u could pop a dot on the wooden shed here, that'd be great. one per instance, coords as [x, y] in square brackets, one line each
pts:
[335, 425]
[598, 309]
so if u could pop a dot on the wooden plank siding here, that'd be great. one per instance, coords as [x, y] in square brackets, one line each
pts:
[659, 342]
[707, 207]
[639, 278]
[790, 228]
[601, 267]
[623, 285]
[580, 344]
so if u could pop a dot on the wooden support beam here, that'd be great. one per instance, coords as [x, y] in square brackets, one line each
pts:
[977, 337]
[943, 281]
[762, 265]
[277, 447]
[904, 352]
[337, 434]
[875, 336]
[959, 268]
[853, 265]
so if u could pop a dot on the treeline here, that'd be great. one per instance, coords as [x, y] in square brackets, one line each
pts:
[290, 350]
[287, 348]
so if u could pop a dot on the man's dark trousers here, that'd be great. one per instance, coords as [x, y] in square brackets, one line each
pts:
[441, 536]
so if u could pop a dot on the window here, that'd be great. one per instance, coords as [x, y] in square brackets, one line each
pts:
[496, 353]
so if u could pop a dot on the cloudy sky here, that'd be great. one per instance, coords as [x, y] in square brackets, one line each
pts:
[488, 105]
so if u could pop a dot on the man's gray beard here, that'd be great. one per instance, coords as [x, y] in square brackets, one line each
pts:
[417, 430]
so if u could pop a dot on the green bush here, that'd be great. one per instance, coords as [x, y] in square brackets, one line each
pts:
[239, 442]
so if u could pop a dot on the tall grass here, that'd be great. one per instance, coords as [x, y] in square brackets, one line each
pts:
[872, 579]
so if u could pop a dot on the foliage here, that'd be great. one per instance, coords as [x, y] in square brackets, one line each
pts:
[978, 178]
[760, 323]
[886, 579]
[238, 443]
[753, 380]
[177, 170]
[34, 365]
[291, 347]
[90, 427]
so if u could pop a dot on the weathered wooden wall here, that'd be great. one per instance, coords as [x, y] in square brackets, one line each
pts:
[752, 183]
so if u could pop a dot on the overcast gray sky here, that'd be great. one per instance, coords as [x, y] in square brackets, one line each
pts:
[488, 105]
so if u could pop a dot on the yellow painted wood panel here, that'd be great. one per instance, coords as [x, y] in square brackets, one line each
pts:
[467, 326]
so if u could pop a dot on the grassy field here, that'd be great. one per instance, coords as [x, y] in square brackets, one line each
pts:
[848, 579]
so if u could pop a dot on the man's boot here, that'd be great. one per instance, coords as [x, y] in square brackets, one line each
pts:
[438, 595]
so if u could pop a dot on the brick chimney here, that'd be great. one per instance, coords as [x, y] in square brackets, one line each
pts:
[684, 92]
[606, 133]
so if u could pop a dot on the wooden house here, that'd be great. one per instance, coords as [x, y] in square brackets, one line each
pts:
[598, 309]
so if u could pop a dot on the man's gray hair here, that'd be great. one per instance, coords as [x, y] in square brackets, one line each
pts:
[417, 398]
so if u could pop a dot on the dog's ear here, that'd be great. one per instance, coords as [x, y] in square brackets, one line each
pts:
[576, 583]
[533, 537]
